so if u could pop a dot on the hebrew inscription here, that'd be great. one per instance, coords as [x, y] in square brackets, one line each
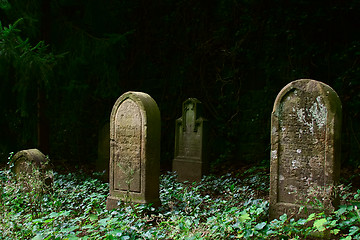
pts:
[302, 146]
[128, 147]
[190, 149]
[189, 137]
[305, 149]
[134, 167]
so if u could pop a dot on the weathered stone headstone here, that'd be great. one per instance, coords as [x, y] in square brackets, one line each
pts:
[103, 159]
[305, 149]
[134, 150]
[190, 161]
[30, 160]
[26, 160]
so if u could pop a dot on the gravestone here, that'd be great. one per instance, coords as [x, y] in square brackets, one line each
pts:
[134, 150]
[190, 155]
[30, 160]
[305, 149]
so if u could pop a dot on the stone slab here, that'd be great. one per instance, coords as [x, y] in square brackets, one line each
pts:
[190, 155]
[305, 148]
[134, 150]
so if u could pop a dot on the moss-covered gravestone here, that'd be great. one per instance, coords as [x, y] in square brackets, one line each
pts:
[134, 150]
[26, 160]
[305, 149]
[190, 161]
[31, 166]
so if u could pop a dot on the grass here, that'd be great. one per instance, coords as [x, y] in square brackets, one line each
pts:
[226, 207]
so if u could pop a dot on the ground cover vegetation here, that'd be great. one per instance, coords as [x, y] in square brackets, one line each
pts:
[231, 206]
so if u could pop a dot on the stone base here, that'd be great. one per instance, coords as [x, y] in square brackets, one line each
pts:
[292, 210]
[112, 202]
[189, 169]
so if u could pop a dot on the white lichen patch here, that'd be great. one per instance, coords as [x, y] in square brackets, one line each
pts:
[273, 130]
[295, 164]
[274, 154]
[315, 115]
[306, 180]
[301, 115]
[291, 189]
[319, 112]
[312, 128]
[300, 132]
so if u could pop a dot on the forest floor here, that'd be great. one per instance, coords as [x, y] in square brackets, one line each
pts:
[230, 203]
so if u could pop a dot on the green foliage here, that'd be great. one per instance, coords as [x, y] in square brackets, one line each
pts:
[25, 69]
[215, 208]
[4, 4]
[33, 64]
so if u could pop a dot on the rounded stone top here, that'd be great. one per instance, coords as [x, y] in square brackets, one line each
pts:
[313, 87]
[143, 100]
[26, 160]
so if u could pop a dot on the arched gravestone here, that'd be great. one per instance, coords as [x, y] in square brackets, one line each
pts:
[30, 160]
[190, 161]
[305, 148]
[134, 150]
[26, 160]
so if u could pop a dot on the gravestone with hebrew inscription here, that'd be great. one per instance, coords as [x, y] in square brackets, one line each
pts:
[305, 149]
[190, 161]
[134, 150]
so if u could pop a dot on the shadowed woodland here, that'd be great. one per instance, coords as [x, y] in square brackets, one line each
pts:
[64, 63]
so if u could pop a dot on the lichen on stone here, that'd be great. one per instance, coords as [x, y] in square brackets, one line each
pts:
[317, 113]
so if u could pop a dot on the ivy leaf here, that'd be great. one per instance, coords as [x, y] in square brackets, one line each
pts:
[342, 209]
[73, 238]
[319, 224]
[311, 217]
[244, 217]
[260, 226]
[302, 221]
[103, 222]
[93, 217]
[54, 215]
[38, 237]
[353, 230]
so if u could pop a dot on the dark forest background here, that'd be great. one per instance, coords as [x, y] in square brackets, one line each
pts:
[63, 64]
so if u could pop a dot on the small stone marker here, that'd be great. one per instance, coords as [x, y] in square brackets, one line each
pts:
[27, 161]
[134, 150]
[190, 161]
[305, 148]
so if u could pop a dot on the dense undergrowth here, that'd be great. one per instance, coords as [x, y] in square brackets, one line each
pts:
[225, 207]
